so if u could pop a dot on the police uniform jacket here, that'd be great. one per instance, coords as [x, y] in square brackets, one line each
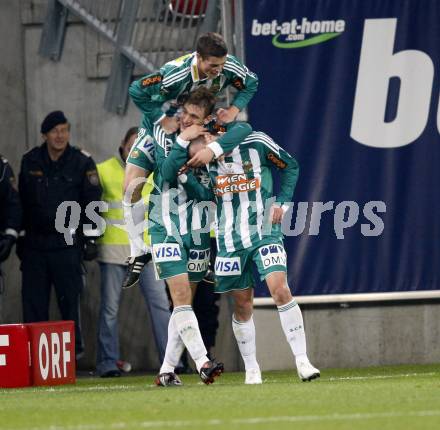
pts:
[44, 184]
[10, 209]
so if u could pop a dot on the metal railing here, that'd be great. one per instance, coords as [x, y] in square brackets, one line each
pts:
[145, 33]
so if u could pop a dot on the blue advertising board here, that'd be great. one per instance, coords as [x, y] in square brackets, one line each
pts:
[351, 89]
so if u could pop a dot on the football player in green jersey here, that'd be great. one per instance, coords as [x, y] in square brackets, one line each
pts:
[177, 257]
[210, 66]
[248, 231]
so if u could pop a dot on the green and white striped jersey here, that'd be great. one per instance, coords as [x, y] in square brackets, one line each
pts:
[181, 76]
[242, 185]
[169, 207]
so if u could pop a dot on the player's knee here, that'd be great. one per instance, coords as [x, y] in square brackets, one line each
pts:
[181, 296]
[242, 308]
[281, 295]
[180, 291]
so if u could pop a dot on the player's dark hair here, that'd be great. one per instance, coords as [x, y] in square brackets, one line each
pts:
[202, 97]
[211, 45]
[130, 132]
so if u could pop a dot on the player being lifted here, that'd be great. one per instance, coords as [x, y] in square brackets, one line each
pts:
[210, 66]
[177, 257]
[242, 186]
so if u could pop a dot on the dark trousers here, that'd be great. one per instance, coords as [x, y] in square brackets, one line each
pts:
[206, 310]
[61, 268]
[205, 305]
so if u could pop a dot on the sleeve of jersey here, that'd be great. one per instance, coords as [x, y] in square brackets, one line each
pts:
[171, 160]
[236, 132]
[146, 95]
[289, 172]
[195, 189]
[245, 81]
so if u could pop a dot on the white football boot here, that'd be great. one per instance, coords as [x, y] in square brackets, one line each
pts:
[253, 376]
[306, 371]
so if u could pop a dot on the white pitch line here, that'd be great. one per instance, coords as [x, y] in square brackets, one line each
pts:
[244, 421]
[78, 389]
[359, 378]
[69, 388]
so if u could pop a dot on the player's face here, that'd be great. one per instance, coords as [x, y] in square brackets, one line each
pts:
[210, 67]
[58, 137]
[191, 114]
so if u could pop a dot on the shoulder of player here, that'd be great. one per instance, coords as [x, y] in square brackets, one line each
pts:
[261, 139]
[176, 71]
[160, 137]
[234, 66]
[231, 59]
[166, 75]
[259, 136]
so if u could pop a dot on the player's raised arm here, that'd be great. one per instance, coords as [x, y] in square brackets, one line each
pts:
[169, 158]
[246, 83]
[235, 133]
[146, 95]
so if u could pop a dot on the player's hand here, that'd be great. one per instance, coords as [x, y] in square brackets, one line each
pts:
[192, 132]
[170, 124]
[209, 138]
[182, 170]
[203, 157]
[228, 115]
[208, 119]
[277, 214]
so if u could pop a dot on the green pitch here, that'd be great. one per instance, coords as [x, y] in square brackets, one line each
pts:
[395, 398]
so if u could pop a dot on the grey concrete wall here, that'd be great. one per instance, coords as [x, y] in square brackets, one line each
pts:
[355, 337]
[31, 86]
[13, 139]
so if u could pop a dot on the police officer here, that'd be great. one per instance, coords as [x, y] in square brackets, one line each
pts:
[10, 209]
[50, 174]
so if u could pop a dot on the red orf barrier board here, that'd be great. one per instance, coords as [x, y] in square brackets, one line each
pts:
[52, 352]
[15, 368]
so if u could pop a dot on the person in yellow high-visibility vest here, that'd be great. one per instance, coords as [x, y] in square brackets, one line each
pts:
[113, 248]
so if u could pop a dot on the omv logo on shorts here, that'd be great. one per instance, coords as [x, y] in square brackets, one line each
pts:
[198, 260]
[227, 266]
[298, 33]
[272, 255]
[163, 252]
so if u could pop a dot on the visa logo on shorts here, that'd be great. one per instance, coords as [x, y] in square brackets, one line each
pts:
[164, 252]
[273, 255]
[227, 266]
[198, 260]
